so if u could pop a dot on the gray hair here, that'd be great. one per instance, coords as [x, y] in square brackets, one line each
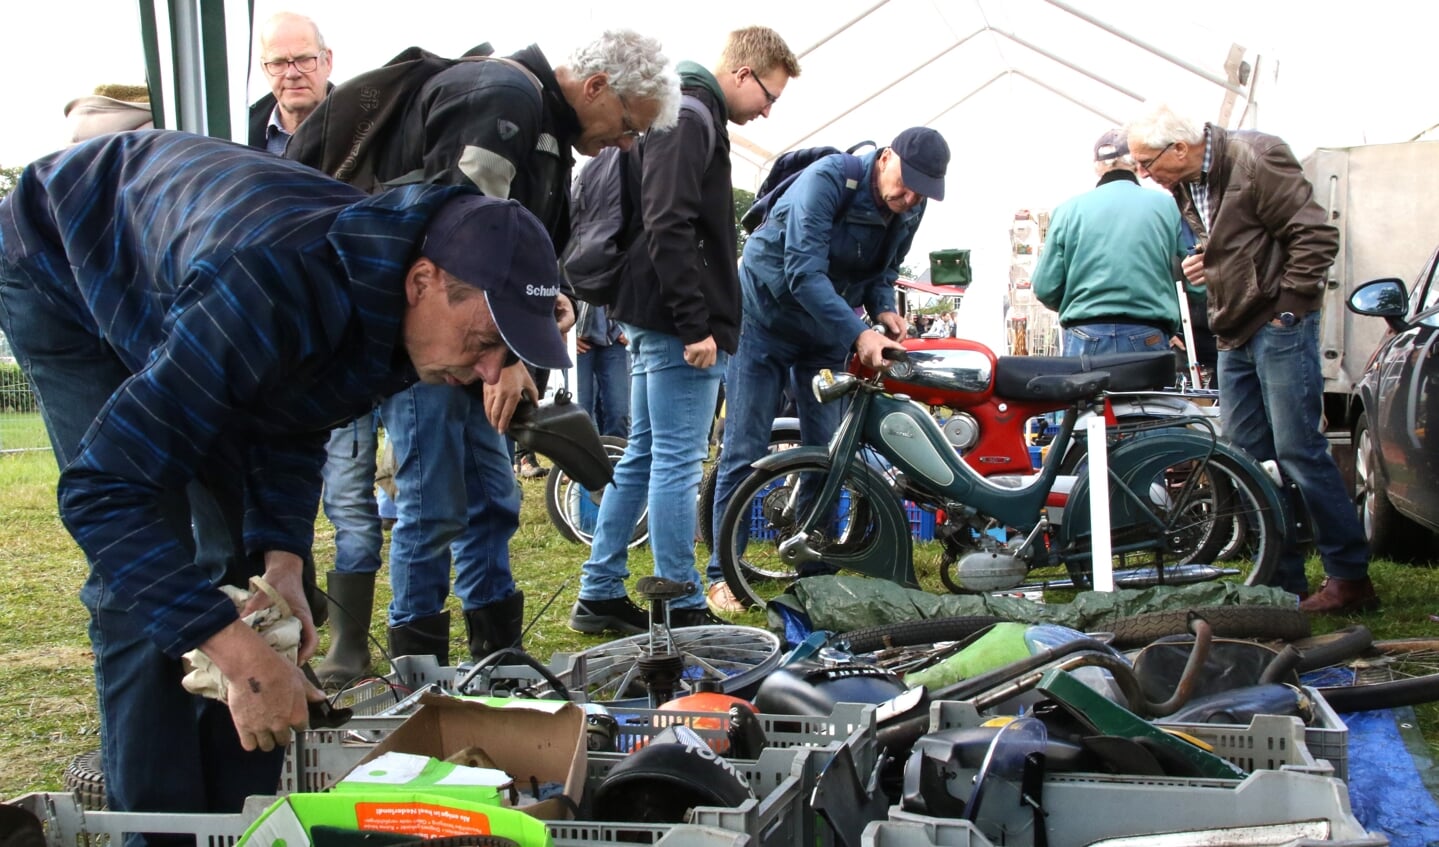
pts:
[1125, 162]
[636, 70]
[1161, 126]
[285, 17]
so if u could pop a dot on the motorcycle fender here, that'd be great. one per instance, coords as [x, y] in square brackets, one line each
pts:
[1179, 444]
[784, 458]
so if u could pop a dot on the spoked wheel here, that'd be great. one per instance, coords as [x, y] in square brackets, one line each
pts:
[736, 657]
[1176, 516]
[766, 510]
[574, 509]
[1390, 674]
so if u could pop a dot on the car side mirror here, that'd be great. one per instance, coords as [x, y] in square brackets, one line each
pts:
[1382, 298]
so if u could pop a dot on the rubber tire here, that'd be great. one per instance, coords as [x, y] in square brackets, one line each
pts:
[1261, 622]
[615, 449]
[738, 574]
[85, 777]
[1390, 534]
[1412, 691]
[914, 633]
[1322, 651]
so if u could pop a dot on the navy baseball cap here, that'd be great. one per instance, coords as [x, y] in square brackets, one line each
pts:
[499, 247]
[1111, 145]
[923, 159]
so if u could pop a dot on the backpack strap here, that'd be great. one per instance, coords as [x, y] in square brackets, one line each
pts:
[693, 104]
[853, 175]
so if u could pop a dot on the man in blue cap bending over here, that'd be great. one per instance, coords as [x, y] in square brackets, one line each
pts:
[833, 242]
[191, 309]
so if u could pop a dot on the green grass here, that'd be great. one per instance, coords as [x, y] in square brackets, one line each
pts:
[47, 696]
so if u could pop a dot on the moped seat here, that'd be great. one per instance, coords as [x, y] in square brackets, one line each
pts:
[1013, 375]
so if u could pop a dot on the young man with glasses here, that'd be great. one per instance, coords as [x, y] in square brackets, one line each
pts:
[678, 302]
[510, 127]
[293, 56]
[1267, 246]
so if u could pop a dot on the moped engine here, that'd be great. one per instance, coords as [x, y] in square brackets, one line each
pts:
[981, 571]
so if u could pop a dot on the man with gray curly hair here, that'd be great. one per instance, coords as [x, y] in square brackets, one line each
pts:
[508, 126]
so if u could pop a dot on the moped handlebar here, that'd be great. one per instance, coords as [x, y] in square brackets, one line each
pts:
[895, 354]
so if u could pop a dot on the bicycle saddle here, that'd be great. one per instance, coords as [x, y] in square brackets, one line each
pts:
[1127, 372]
[658, 588]
[566, 434]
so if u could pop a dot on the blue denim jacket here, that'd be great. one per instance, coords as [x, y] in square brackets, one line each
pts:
[804, 272]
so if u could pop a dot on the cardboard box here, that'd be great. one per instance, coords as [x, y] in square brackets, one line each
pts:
[529, 744]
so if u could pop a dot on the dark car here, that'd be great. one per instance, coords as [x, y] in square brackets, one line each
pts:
[1396, 432]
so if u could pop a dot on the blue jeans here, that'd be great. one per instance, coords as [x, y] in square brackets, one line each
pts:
[1094, 339]
[1271, 395]
[349, 495]
[604, 387]
[764, 363]
[671, 406]
[456, 496]
[143, 708]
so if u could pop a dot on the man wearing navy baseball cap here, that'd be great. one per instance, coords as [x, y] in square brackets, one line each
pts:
[815, 275]
[192, 312]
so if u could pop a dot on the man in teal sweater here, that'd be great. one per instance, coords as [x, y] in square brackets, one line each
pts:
[1107, 265]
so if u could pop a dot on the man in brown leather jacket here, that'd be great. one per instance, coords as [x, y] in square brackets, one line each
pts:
[1262, 252]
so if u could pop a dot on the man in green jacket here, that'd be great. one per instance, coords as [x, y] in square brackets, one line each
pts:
[1107, 263]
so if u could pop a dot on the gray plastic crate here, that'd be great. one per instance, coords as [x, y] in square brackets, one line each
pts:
[67, 825]
[317, 759]
[1082, 809]
[1326, 737]
[1270, 742]
[941, 832]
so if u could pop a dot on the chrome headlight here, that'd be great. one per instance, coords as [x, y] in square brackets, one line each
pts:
[829, 386]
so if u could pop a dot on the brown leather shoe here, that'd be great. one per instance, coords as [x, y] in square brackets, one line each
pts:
[1341, 596]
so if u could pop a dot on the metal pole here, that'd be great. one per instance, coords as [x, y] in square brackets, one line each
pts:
[846, 25]
[1194, 69]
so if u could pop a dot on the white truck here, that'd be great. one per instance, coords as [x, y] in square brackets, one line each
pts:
[1384, 198]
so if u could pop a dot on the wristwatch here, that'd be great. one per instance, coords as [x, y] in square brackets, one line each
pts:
[1285, 319]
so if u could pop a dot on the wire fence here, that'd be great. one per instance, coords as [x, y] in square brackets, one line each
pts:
[20, 424]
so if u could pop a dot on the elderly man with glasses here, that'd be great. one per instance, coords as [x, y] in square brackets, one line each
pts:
[506, 126]
[1264, 246]
[295, 59]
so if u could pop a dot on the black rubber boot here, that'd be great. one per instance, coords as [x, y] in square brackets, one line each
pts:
[351, 602]
[495, 626]
[423, 637]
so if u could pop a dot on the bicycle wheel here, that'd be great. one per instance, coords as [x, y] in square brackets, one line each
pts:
[1403, 672]
[574, 509]
[1263, 622]
[1178, 511]
[736, 657]
[766, 510]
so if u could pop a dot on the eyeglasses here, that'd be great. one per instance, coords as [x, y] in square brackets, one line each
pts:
[626, 121]
[303, 64]
[770, 97]
[1149, 164]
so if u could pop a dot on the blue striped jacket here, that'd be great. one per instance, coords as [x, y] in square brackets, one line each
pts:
[256, 302]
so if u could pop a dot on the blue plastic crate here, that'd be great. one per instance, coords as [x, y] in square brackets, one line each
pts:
[921, 522]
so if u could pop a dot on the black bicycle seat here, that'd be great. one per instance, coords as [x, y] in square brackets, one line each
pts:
[658, 588]
[1014, 375]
